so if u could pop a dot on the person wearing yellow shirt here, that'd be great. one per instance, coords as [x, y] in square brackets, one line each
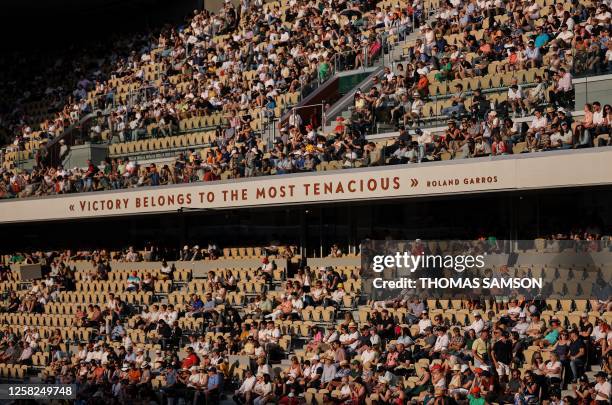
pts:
[480, 349]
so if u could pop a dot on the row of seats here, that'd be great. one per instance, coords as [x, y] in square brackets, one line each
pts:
[10, 371]
[56, 320]
[72, 333]
[118, 287]
[158, 144]
[101, 297]
[465, 316]
[567, 305]
[244, 252]
[118, 275]
[204, 121]
[492, 80]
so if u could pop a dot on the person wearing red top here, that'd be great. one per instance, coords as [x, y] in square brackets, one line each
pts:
[423, 85]
[498, 147]
[191, 360]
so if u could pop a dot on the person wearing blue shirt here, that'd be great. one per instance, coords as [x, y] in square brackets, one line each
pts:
[169, 391]
[213, 388]
[542, 38]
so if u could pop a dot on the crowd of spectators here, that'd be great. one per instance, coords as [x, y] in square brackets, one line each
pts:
[211, 53]
[563, 39]
[302, 151]
[407, 350]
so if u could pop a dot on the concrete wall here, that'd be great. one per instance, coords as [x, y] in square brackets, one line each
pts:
[79, 154]
[590, 89]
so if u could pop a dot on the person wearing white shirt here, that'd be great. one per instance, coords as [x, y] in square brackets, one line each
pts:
[368, 355]
[553, 368]
[424, 141]
[171, 315]
[331, 336]
[374, 338]
[81, 353]
[514, 310]
[424, 322]
[600, 124]
[522, 325]
[477, 324]
[351, 340]
[565, 35]
[538, 125]
[603, 15]
[245, 388]
[515, 98]
[126, 341]
[442, 340]
[602, 389]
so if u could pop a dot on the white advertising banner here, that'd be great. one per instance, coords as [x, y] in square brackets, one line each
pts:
[467, 176]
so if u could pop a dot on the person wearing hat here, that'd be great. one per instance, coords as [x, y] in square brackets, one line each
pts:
[477, 323]
[552, 333]
[145, 375]
[140, 356]
[582, 389]
[329, 371]
[455, 381]
[415, 112]
[602, 391]
[424, 322]
[474, 397]
[313, 379]
[562, 137]
[196, 382]
[522, 325]
[213, 388]
[351, 340]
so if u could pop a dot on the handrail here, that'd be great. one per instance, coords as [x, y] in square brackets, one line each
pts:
[51, 148]
[308, 88]
[73, 126]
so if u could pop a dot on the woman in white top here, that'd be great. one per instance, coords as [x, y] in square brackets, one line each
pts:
[552, 369]
[304, 279]
[295, 370]
[166, 271]
[263, 389]
[345, 391]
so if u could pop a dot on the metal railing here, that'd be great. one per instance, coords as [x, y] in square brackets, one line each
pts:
[346, 61]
